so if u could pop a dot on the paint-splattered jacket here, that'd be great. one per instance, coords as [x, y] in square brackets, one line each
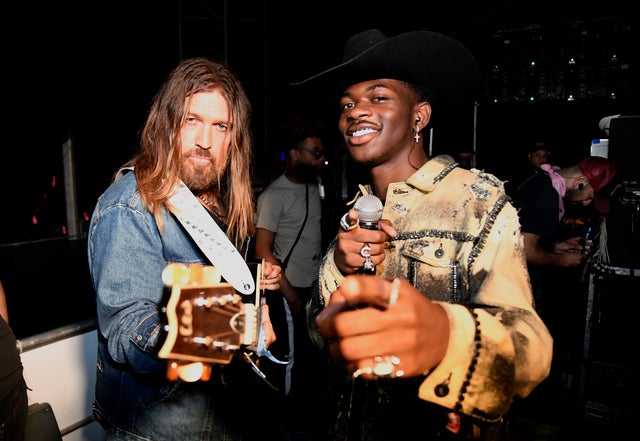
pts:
[459, 243]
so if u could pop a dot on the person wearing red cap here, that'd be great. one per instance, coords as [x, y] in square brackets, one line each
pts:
[439, 342]
[552, 257]
[541, 199]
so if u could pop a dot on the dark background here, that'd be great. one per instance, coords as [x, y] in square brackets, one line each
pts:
[87, 71]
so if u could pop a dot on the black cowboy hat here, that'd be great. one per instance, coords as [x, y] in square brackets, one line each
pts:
[435, 62]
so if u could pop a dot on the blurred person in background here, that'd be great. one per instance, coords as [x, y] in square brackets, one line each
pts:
[554, 254]
[289, 233]
[538, 153]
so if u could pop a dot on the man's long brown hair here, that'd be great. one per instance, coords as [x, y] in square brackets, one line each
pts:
[158, 163]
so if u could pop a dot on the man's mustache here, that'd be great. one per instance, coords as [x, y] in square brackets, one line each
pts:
[199, 154]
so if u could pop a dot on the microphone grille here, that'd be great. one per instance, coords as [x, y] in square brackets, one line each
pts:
[369, 208]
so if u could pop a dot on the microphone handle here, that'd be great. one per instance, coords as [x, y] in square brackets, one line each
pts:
[368, 269]
[369, 208]
[369, 225]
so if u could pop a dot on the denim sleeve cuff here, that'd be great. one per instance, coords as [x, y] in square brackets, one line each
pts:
[147, 340]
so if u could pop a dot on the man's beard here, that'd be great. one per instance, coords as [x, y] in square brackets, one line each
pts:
[200, 177]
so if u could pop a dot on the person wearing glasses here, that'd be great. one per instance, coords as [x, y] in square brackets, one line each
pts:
[289, 233]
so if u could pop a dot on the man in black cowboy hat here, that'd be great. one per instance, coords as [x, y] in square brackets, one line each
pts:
[444, 337]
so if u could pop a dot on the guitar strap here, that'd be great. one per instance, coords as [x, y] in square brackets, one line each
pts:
[206, 233]
[213, 242]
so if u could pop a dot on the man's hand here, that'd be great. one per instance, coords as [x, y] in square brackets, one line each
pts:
[379, 328]
[348, 255]
[271, 276]
[570, 252]
[267, 327]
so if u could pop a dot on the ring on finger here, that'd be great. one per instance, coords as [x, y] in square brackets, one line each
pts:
[364, 251]
[344, 223]
[368, 265]
[395, 292]
[360, 371]
[384, 366]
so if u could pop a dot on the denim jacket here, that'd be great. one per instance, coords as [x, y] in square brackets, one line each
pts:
[127, 254]
[460, 244]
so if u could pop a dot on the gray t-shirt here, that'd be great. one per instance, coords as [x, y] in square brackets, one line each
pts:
[281, 209]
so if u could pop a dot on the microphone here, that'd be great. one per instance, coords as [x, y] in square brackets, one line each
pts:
[369, 208]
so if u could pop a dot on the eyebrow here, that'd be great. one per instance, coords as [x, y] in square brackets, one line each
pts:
[370, 88]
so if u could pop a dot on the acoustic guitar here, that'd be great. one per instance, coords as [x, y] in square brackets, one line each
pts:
[209, 322]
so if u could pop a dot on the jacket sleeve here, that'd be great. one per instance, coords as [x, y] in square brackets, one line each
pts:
[330, 275]
[126, 267]
[499, 348]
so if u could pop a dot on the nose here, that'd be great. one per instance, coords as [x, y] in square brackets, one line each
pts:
[204, 137]
[359, 111]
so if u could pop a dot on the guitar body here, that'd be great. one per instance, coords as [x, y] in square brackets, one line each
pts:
[207, 321]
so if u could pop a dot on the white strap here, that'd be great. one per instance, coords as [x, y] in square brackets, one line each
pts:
[213, 242]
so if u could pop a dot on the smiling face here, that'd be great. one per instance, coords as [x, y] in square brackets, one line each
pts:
[205, 138]
[377, 120]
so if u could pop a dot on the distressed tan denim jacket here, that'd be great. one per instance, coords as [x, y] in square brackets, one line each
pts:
[460, 244]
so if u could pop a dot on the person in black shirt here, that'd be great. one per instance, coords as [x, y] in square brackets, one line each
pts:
[540, 201]
[537, 154]
[555, 255]
[13, 389]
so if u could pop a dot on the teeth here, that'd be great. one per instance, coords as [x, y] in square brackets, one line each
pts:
[362, 132]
